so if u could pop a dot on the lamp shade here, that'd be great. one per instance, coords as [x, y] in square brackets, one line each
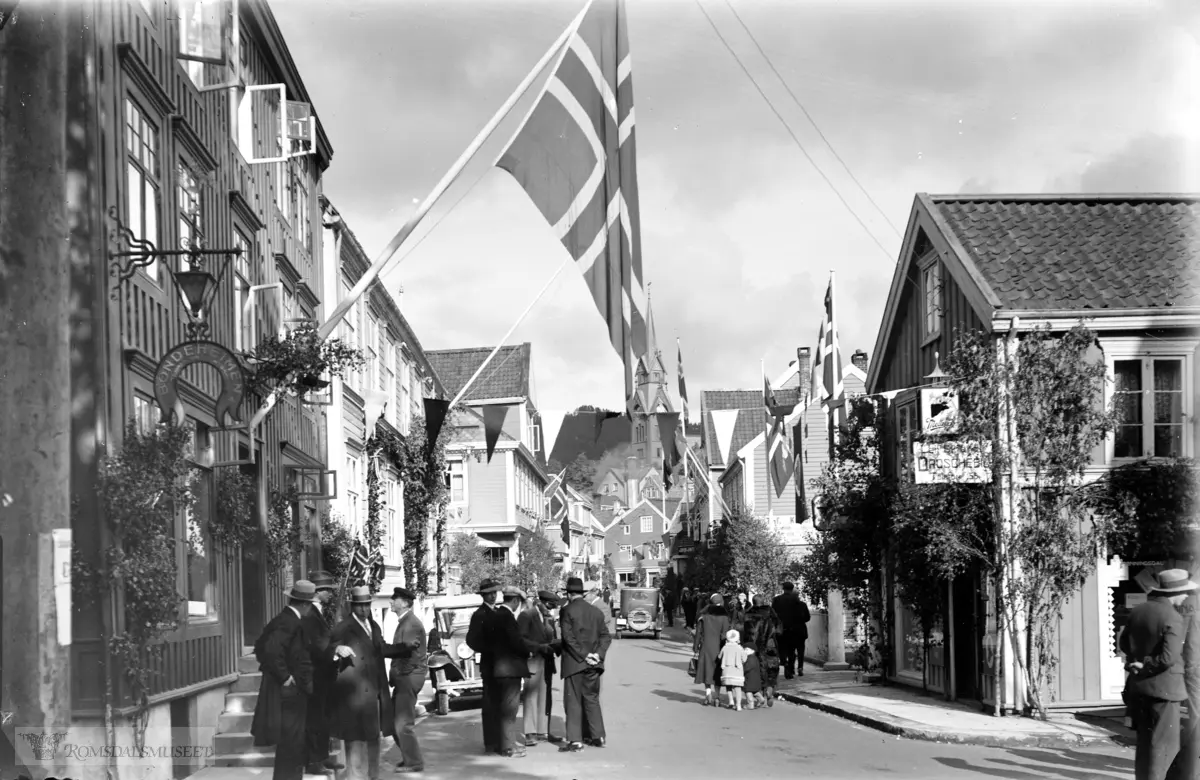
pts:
[195, 286]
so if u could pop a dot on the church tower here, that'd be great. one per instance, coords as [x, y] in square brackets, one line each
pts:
[652, 397]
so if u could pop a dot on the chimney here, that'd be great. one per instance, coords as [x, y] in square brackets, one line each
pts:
[632, 492]
[859, 359]
[804, 372]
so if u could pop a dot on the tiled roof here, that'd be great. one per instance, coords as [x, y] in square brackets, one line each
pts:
[1081, 252]
[506, 376]
[714, 400]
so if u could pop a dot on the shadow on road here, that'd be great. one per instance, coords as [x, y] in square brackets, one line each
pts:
[679, 697]
[1033, 764]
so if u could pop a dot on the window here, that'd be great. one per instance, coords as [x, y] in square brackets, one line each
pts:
[906, 422]
[641, 433]
[666, 524]
[350, 326]
[283, 179]
[352, 491]
[289, 308]
[931, 291]
[199, 569]
[299, 202]
[388, 499]
[242, 281]
[647, 524]
[625, 529]
[626, 552]
[145, 414]
[456, 481]
[386, 372]
[1148, 401]
[190, 225]
[404, 412]
[370, 341]
[142, 179]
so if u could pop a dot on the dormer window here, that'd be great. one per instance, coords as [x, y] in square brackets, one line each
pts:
[931, 294]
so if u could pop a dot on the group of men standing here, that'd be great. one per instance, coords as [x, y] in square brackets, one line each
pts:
[518, 643]
[326, 679]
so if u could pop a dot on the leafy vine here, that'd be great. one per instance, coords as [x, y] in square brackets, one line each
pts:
[233, 524]
[285, 539]
[297, 362]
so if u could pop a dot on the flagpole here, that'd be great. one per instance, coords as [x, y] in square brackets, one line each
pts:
[767, 441]
[566, 261]
[834, 356]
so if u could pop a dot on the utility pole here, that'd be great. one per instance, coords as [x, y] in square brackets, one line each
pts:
[35, 376]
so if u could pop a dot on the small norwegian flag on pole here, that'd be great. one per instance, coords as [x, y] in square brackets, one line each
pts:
[827, 381]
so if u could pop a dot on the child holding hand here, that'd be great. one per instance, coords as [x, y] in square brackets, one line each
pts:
[731, 659]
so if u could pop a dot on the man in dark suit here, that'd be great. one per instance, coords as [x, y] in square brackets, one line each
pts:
[551, 602]
[1153, 645]
[585, 641]
[287, 682]
[479, 639]
[360, 705]
[409, 670]
[317, 626]
[510, 667]
[793, 616]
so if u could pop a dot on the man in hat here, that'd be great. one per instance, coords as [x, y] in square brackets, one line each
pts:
[510, 668]
[361, 706]
[793, 618]
[479, 639]
[287, 682]
[538, 634]
[1153, 645]
[317, 627]
[409, 670]
[585, 641]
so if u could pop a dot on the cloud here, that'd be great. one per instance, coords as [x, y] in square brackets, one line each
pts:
[1148, 163]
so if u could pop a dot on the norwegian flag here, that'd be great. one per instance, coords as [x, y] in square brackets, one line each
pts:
[364, 566]
[682, 383]
[827, 383]
[559, 504]
[575, 156]
[780, 458]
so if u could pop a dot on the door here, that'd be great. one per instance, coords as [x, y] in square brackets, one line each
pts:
[253, 571]
[964, 634]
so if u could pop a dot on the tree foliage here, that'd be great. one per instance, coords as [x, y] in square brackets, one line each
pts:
[285, 534]
[581, 472]
[233, 524]
[757, 555]
[1155, 503]
[535, 569]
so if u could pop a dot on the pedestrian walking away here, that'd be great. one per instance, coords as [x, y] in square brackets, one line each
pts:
[408, 673]
[1154, 690]
[538, 633]
[510, 669]
[793, 617]
[585, 642]
[761, 631]
[710, 634]
[479, 633]
[360, 702]
[287, 682]
[317, 627]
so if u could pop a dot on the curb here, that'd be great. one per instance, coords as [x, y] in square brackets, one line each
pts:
[911, 729]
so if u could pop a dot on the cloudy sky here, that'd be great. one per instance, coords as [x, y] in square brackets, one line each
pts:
[739, 229]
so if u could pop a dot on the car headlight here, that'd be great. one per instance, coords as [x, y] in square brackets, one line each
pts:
[465, 652]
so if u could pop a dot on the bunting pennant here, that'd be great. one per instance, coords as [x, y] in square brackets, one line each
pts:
[724, 421]
[682, 384]
[435, 416]
[551, 422]
[668, 425]
[575, 156]
[601, 418]
[666, 473]
[374, 403]
[780, 458]
[798, 472]
[493, 423]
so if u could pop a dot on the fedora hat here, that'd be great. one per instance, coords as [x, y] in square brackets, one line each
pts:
[404, 593]
[322, 579]
[360, 594]
[574, 585]
[488, 586]
[513, 592]
[1174, 581]
[303, 590]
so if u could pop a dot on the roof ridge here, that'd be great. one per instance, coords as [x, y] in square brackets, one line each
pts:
[1101, 197]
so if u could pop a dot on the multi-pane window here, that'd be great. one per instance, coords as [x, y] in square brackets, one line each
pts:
[905, 424]
[299, 197]
[931, 290]
[1148, 401]
[389, 518]
[142, 178]
[386, 372]
[200, 567]
[352, 491]
[145, 414]
[242, 281]
[626, 552]
[456, 482]
[370, 341]
[350, 327]
[406, 395]
[647, 524]
[190, 225]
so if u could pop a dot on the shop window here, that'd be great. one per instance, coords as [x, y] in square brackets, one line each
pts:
[199, 569]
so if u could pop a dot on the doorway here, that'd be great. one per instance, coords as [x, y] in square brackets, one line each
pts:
[965, 635]
[253, 570]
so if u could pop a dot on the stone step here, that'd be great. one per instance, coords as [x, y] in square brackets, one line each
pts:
[247, 683]
[240, 702]
[240, 742]
[260, 756]
[247, 664]
[234, 722]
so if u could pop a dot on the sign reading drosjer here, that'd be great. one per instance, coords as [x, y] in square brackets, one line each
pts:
[170, 368]
[952, 461]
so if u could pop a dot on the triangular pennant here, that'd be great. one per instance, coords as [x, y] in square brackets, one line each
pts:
[374, 402]
[551, 424]
[668, 425]
[435, 416]
[493, 422]
[666, 474]
[724, 421]
[601, 418]
[798, 473]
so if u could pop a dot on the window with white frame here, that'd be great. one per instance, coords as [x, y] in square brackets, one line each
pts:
[906, 423]
[242, 281]
[455, 481]
[389, 517]
[350, 326]
[301, 220]
[369, 337]
[625, 529]
[647, 523]
[626, 552]
[145, 413]
[352, 492]
[187, 188]
[1151, 399]
[142, 179]
[384, 351]
[931, 293]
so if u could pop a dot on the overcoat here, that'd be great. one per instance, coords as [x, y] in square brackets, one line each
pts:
[479, 638]
[510, 651]
[793, 613]
[584, 630]
[1154, 636]
[281, 652]
[360, 703]
[538, 632]
[710, 632]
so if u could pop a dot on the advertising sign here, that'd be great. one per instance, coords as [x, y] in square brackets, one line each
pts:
[939, 411]
[952, 461]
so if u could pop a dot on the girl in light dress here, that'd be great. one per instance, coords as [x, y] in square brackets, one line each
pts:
[732, 661]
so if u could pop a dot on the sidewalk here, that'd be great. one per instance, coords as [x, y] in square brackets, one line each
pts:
[907, 712]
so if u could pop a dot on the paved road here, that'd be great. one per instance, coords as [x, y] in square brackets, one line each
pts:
[657, 728]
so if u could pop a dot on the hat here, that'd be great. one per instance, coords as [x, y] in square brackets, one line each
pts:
[360, 594]
[716, 599]
[404, 593]
[732, 635]
[513, 592]
[574, 585]
[303, 590]
[321, 578]
[1174, 581]
[489, 586]
[546, 595]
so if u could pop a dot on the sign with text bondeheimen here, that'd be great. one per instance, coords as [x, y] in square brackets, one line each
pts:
[952, 461]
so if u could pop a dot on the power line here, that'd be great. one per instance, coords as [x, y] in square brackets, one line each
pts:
[790, 132]
[812, 121]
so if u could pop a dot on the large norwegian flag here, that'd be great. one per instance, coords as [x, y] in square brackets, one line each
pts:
[576, 156]
[827, 384]
[780, 457]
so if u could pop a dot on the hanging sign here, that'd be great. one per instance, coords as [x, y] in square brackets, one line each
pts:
[952, 461]
[939, 411]
[170, 368]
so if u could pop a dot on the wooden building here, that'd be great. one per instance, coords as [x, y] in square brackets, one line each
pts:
[206, 136]
[1124, 266]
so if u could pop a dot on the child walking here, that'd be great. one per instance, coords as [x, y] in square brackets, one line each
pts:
[731, 659]
[753, 684]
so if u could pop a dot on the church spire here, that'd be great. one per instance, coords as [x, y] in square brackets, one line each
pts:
[651, 336]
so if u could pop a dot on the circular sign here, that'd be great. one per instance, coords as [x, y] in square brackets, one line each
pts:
[170, 368]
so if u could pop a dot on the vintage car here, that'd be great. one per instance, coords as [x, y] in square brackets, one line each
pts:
[640, 612]
[453, 666]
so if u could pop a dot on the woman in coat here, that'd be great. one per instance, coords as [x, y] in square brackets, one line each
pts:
[710, 633]
[361, 702]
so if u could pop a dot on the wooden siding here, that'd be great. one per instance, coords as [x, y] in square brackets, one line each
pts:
[135, 58]
[636, 538]
[487, 490]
